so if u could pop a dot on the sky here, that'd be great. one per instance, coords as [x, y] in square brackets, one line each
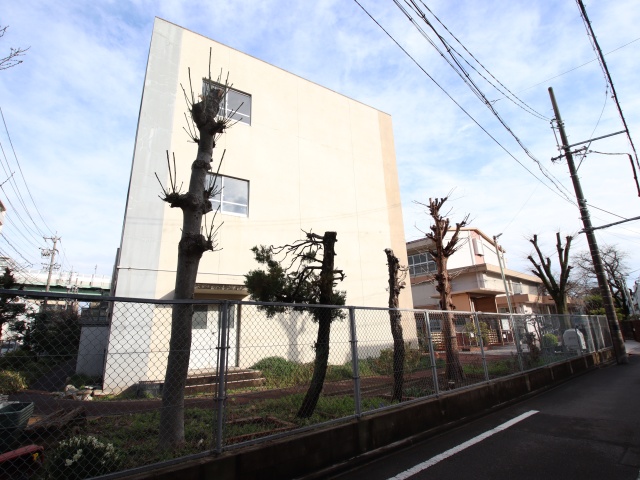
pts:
[70, 110]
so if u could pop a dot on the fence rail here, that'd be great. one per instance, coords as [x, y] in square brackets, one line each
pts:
[92, 370]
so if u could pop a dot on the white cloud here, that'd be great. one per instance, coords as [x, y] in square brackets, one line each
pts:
[72, 106]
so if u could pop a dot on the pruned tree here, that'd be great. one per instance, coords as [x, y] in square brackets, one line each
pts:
[307, 279]
[441, 250]
[555, 286]
[205, 126]
[10, 305]
[616, 269]
[397, 274]
[13, 58]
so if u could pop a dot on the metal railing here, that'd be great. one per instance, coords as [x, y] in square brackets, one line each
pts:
[93, 371]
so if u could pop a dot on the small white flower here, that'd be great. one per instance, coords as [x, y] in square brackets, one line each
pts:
[68, 462]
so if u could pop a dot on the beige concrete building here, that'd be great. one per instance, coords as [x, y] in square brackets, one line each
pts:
[300, 158]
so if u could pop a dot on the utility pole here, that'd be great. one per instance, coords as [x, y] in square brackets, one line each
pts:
[614, 327]
[50, 252]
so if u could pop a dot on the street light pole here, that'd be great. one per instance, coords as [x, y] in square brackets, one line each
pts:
[504, 280]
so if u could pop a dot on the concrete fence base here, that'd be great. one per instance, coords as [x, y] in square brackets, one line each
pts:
[323, 450]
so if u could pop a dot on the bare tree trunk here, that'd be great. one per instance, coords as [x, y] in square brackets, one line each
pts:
[194, 204]
[395, 318]
[324, 317]
[441, 251]
[556, 288]
[453, 367]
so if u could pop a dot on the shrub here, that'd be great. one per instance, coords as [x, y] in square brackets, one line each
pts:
[383, 365]
[17, 360]
[549, 340]
[280, 372]
[11, 382]
[81, 457]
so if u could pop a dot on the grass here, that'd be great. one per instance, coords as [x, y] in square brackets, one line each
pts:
[498, 368]
[280, 373]
[136, 435]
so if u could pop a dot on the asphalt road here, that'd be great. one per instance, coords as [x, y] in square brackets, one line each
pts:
[587, 428]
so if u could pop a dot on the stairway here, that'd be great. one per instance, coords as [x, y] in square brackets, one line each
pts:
[207, 382]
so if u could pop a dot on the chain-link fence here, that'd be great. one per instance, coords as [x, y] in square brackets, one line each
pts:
[84, 379]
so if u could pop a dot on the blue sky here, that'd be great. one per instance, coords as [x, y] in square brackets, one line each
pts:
[71, 109]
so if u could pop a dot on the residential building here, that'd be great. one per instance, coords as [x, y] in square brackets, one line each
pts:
[299, 158]
[476, 284]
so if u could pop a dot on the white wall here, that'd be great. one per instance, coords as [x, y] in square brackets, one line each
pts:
[316, 161]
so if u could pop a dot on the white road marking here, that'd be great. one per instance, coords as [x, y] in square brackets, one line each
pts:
[438, 458]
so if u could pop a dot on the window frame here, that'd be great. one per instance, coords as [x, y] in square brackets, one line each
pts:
[197, 320]
[209, 310]
[430, 262]
[221, 193]
[223, 111]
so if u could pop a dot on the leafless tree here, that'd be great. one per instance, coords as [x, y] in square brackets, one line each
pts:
[12, 59]
[300, 283]
[441, 251]
[557, 288]
[205, 128]
[614, 262]
[397, 274]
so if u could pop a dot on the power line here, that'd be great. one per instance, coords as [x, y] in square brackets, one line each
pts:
[466, 78]
[560, 194]
[596, 46]
[576, 68]
[20, 168]
[15, 211]
[584, 155]
[510, 96]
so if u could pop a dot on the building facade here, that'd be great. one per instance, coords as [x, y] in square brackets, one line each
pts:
[477, 284]
[300, 157]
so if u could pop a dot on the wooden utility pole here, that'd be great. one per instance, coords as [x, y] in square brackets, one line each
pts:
[614, 327]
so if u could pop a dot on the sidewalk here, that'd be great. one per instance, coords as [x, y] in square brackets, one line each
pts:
[633, 347]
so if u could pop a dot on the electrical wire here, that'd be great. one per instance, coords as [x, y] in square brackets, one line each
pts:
[607, 76]
[20, 169]
[466, 78]
[584, 155]
[509, 95]
[556, 192]
[575, 68]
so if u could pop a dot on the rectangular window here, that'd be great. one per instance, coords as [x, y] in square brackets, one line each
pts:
[421, 264]
[202, 313]
[517, 287]
[235, 105]
[230, 194]
[199, 318]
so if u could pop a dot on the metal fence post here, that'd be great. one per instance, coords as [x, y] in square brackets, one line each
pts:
[354, 361]
[432, 353]
[514, 329]
[484, 358]
[591, 345]
[223, 349]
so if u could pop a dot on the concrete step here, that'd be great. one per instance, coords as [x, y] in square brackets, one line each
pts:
[232, 376]
[236, 379]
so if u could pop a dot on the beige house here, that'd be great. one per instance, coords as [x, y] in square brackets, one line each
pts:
[300, 158]
[477, 284]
